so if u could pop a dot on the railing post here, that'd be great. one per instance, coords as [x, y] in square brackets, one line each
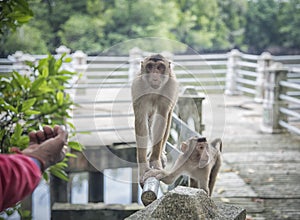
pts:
[190, 108]
[96, 186]
[134, 185]
[62, 49]
[60, 190]
[135, 57]
[272, 103]
[234, 56]
[79, 61]
[19, 59]
[79, 64]
[263, 62]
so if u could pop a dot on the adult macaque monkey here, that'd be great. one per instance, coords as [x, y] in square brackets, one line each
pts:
[154, 95]
[199, 160]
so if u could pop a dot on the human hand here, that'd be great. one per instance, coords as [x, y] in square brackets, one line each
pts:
[47, 146]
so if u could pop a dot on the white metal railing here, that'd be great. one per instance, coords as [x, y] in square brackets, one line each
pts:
[290, 113]
[207, 72]
[234, 72]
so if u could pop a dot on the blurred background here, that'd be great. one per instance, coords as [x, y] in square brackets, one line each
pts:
[206, 26]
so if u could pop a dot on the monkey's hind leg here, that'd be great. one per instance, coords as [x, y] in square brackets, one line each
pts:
[213, 175]
[193, 183]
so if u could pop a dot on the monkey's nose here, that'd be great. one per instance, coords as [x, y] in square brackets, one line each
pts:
[201, 139]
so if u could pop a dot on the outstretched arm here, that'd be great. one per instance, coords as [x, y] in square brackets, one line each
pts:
[168, 177]
[19, 175]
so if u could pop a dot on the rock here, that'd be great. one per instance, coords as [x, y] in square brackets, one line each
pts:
[188, 203]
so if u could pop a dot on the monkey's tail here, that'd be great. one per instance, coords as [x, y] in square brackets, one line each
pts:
[215, 142]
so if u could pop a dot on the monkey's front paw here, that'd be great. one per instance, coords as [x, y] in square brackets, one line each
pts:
[158, 174]
[142, 171]
[156, 165]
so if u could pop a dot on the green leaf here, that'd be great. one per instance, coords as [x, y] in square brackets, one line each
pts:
[23, 142]
[20, 79]
[66, 72]
[46, 176]
[25, 214]
[37, 83]
[52, 65]
[45, 72]
[71, 155]
[76, 145]
[57, 65]
[60, 98]
[68, 60]
[16, 136]
[24, 18]
[32, 112]
[63, 78]
[44, 88]
[10, 107]
[26, 105]
[59, 173]
[71, 125]
[43, 63]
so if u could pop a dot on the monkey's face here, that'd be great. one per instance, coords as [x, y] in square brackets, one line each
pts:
[197, 150]
[155, 71]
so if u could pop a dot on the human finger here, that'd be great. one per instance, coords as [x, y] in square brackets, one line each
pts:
[40, 136]
[60, 130]
[33, 138]
[48, 132]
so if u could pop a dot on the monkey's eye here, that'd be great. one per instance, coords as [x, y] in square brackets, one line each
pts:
[149, 67]
[161, 68]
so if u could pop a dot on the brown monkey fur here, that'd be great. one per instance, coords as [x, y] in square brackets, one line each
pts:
[154, 95]
[199, 160]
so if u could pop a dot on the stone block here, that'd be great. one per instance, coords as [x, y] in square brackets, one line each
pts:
[188, 203]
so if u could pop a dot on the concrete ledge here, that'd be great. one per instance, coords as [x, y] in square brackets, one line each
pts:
[188, 203]
[92, 211]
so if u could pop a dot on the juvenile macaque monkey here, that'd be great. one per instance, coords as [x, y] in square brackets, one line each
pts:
[154, 95]
[199, 160]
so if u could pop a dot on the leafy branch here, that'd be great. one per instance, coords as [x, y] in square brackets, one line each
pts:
[30, 101]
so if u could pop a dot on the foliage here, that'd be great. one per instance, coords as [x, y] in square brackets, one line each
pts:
[262, 24]
[232, 13]
[34, 99]
[24, 214]
[76, 35]
[27, 39]
[94, 25]
[290, 16]
[13, 14]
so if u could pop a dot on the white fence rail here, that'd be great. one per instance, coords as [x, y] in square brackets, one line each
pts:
[290, 118]
[233, 72]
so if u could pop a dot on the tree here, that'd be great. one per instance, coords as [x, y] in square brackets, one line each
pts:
[13, 14]
[289, 19]
[200, 25]
[27, 39]
[262, 26]
[232, 13]
[82, 32]
[128, 20]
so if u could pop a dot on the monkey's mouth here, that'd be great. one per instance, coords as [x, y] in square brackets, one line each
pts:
[155, 84]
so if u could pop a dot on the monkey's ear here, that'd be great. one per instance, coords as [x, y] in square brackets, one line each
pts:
[204, 158]
[184, 147]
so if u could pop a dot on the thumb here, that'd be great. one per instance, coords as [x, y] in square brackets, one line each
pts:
[61, 132]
